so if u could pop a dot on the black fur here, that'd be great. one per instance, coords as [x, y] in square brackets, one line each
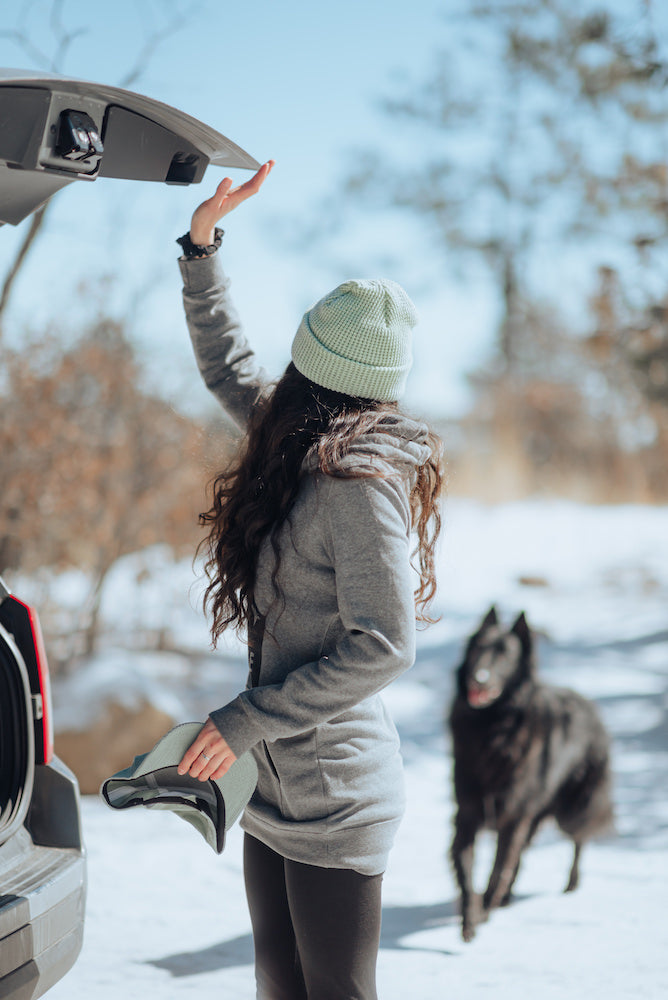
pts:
[523, 751]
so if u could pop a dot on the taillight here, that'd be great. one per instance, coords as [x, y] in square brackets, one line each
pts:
[22, 621]
[42, 710]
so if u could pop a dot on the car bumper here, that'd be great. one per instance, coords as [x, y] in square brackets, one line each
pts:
[42, 898]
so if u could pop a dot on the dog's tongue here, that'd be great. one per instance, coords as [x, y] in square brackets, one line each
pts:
[479, 697]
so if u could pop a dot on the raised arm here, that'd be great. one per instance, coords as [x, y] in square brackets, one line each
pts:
[224, 357]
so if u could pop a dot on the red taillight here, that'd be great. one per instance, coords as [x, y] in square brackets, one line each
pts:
[45, 752]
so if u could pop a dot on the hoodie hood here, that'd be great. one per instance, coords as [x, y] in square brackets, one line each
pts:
[397, 445]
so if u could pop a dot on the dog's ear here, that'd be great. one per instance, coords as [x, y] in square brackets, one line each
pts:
[489, 620]
[522, 630]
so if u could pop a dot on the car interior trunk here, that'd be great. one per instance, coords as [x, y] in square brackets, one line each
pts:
[16, 739]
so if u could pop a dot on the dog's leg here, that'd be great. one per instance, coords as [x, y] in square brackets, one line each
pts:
[505, 901]
[535, 823]
[574, 877]
[510, 844]
[461, 852]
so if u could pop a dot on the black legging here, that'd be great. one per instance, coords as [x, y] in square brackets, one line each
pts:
[316, 930]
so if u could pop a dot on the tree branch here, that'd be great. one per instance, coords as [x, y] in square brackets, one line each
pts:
[149, 48]
[36, 224]
[34, 54]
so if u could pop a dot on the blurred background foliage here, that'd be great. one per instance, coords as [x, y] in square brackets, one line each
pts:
[557, 152]
[95, 466]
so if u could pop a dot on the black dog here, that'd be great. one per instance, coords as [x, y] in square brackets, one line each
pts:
[523, 751]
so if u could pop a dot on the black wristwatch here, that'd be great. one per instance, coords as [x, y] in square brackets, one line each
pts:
[193, 250]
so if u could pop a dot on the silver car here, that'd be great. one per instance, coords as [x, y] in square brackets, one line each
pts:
[42, 858]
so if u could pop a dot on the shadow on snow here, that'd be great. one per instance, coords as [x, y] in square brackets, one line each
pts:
[399, 922]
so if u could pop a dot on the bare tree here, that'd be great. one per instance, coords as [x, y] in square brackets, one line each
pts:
[538, 136]
[629, 344]
[540, 127]
[94, 466]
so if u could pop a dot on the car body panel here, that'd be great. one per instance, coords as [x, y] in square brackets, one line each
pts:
[42, 856]
[41, 915]
[143, 139]
[42, 903]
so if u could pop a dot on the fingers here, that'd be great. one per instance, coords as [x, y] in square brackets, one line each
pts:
[221, 192]
[193, 755]
[195, 749]
[224, 200]
[208, 756]
[218, 764]
[256, 182]
[249, 188]
[258, 179]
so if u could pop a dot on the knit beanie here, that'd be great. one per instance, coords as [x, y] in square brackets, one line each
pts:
[357, 340]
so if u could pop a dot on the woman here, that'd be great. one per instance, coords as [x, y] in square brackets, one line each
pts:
[309, 551]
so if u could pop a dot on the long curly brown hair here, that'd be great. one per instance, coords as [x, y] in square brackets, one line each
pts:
[252, 498]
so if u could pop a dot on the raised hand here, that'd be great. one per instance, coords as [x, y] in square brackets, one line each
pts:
[222, 203]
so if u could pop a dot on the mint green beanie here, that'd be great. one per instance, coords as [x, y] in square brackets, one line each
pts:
[357, 340]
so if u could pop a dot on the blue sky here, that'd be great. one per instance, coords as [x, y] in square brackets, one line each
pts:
[296, 81]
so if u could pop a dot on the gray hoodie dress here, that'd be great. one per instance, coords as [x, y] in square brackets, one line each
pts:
[330, 789]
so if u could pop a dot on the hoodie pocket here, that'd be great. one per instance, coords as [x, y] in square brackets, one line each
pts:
[299, 776]
[269, 784]
[271, 762]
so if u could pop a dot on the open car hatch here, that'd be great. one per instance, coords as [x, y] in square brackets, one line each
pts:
[55, 130]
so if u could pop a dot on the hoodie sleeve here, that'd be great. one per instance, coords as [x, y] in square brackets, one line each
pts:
[368, 538]
[224, 357]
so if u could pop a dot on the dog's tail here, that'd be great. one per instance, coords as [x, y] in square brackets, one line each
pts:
[584, 808]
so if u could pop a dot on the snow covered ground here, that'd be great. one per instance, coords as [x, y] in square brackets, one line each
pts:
[167, 918]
